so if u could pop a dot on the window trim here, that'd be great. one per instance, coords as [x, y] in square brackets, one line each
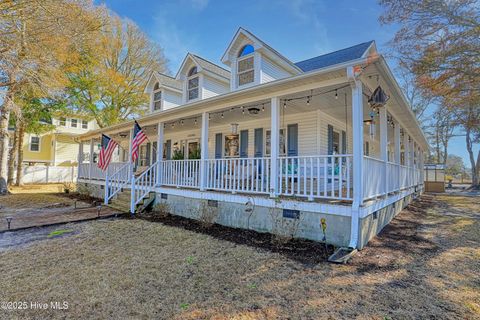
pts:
[86, 122]
[160, 100]
[39, 143]
[285, 132]
[239, 59]
[193, 76]
[71, 123]
[64, 122]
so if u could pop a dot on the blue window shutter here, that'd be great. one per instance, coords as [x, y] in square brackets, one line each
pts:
[344, 142]
[258, 152]
[168, 149]
[154, 152]
[218, 146]
[292, 143]
[330, 139]
[244, 144]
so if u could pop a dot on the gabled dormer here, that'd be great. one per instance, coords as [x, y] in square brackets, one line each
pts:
[165, 92]
[253, 62]
[202, 79]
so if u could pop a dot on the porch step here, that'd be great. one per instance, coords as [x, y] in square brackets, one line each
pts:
[122, 201]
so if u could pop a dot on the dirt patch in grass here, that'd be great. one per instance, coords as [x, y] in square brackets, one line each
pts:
[424, 265]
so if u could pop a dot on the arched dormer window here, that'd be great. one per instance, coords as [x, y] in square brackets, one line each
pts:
[246, 50]
[157, 97]
[192, 71]
[245, 65]
[192, 84]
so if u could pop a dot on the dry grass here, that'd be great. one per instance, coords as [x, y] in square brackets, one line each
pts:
[424, 265]
[32, 200]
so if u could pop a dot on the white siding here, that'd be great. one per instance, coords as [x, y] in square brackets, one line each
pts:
[212, 87]
[171, 99]
[271, 71]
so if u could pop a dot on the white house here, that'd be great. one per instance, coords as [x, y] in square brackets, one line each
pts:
[273, 145]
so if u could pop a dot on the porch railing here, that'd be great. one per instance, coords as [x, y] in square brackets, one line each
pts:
[142, 185]
[249, 175]
[327, 176]
[117, 180]
[312, 177]
[180, 173]
[398, 177]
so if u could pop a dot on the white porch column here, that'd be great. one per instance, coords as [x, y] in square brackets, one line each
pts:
[357, 132]
[384, 146]
[396, 138]
[274, 145]
[204, 152]
[132, 175]
[80, 159]
[90, 165]
[357, 125]
[160, 136]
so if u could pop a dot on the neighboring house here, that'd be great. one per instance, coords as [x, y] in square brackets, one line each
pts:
[272, 145]
[57, 147]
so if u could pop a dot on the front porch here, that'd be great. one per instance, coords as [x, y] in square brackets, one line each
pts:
[316, 147]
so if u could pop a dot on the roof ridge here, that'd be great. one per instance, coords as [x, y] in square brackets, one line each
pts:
[206, 60]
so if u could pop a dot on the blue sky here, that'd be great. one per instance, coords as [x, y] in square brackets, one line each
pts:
[299, 29]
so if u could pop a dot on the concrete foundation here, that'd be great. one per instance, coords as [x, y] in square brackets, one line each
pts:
[281, 218]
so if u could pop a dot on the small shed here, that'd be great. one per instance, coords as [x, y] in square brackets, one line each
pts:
[434, 177]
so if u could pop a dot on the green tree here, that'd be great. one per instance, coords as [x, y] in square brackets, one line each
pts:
[109, 80]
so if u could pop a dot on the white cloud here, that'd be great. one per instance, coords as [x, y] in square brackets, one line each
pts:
[199, 4]
[308, 12]
[174, 42]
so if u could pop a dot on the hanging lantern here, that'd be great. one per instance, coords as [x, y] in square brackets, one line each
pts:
[371, 124]
[378, 98]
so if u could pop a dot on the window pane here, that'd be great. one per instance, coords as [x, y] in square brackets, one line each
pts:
[246, 50]
[84, 124]
[34, 143]
[63, 121]
[245, 64]
[74, 123]
[246, 77]
[157, 105]
[193, 83]
[193, 94]
[157, 96]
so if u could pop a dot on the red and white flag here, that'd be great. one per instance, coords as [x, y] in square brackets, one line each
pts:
[108, 145]
[138, 138]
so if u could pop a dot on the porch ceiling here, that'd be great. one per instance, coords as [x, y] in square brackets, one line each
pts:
[288, 88]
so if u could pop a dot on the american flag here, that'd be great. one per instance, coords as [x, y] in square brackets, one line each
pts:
[108, 146]
[138, 138]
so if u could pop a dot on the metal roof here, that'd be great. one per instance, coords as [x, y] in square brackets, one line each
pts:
[333, 58]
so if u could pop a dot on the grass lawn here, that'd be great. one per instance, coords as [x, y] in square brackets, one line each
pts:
[426, 264]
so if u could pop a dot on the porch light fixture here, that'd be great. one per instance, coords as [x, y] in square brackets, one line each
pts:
[181, 122]
[222, 115]
[195, 122]
[336, 94]
[263, 107]
[284, 104]
[243, 110]
[254, 110]
[308, 100]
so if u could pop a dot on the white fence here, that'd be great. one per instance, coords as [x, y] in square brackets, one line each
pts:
[48, 174]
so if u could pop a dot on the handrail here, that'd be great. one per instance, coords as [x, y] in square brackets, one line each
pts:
[116, 181]
[142, 185]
